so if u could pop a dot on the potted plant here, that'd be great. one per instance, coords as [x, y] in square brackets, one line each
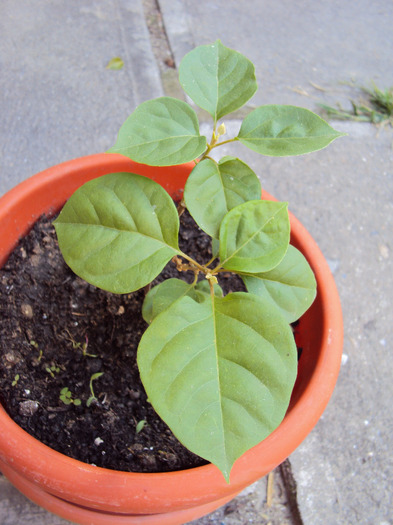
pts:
[221, 371]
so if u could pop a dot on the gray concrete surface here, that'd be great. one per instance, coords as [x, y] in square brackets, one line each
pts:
[58, 101]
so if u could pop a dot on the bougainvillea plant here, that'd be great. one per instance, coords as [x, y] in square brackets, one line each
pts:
[219, 370]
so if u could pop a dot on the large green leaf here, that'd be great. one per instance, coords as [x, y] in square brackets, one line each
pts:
[213, 189]
[254, 236]
[118, 231]
[218, 79]
[285, 130]
[161, 132]
[291, 285]
[219, 372]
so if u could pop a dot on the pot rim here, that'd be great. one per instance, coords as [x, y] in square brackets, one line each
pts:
[24, 453]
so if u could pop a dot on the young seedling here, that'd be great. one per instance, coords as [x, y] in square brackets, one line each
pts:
[34, 344]
[140, 426]
[67, 398]
[93, 397]
[16, 379]
[52, 370]
[80, 346]
[218, 370]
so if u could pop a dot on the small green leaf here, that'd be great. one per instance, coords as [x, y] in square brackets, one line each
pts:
[77, 402]
[118, 231]
[291, 285]
[162, 296]
[140, 426]
[213, 189]
[96, 375]
[254, 236]
[218, 79]
[285, 130]
[161, 132]
[219, 372]
[115, 63]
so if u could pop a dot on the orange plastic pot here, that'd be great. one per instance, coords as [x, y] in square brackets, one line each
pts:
[86, 494]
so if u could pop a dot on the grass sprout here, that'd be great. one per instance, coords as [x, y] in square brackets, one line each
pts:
[377, 107]
[93, 397]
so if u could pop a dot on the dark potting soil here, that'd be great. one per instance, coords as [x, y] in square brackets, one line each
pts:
[56, 331]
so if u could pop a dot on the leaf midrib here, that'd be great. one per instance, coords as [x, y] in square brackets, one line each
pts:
[274, 281]
[148, 142]
[213, 299]
[119, 232]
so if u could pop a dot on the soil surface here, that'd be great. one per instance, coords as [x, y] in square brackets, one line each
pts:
[57, 331]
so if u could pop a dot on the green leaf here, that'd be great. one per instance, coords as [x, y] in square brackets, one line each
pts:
[291, 285]
[254, 236]
[163, 295]
[219, 372]
[213, 189]
[118, 231]
[166, 293]
[115, 63]
[285, 130]
[218, 79]
[215, 247]
[96, 376]
[140, 426]
[161, 132]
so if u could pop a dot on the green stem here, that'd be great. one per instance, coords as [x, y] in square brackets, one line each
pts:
[211, 284]
[215, 144]
[194, 263]
[223, 142]
[211, 261]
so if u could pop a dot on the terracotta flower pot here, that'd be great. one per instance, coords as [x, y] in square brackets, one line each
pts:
[87, 494]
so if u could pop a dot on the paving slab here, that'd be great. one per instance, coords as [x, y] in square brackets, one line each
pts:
[293, 45]
[58, 100]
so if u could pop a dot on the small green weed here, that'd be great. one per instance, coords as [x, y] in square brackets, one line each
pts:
[140, 426]
[34, 344]
[66, 397]
[377, 108]
[80, 346]
[93, 397]
[52, 370]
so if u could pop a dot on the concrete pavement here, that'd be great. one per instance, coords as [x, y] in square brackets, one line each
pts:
[59, 102]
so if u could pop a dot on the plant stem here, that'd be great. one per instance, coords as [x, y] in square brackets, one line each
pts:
[194, 263]
[215, 144]
[211, 261]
